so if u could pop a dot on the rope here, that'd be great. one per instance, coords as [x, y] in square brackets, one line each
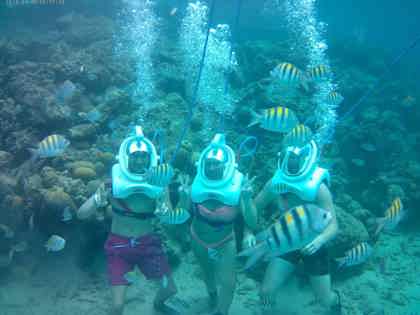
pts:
[193, 102]
[369, 92]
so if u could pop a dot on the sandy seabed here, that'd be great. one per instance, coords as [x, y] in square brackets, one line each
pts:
[58, 286]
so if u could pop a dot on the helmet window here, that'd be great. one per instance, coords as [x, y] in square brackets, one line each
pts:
[215, 164]
[293, 160]
[138, 157]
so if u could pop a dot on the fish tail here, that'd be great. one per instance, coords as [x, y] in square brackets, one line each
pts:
[254, 254]
[380, 225]
[340, 262]
[337, 264]
[255, 118]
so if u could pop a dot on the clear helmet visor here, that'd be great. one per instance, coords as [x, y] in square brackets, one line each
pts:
[138, 158]
[215, 164]
[293, 161]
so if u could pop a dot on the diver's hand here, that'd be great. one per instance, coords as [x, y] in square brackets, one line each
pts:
[313, 246]
[247, 190]
[249, 241]
[100, 197]
[183, 180]
[162, 208]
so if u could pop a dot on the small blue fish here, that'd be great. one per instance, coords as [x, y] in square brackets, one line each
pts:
[50, 146]
[67, 215]
[65, 91]
[55, 243]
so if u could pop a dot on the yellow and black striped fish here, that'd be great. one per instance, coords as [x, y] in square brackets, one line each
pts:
[318, 72]
[176, 216]
[334, 98]
[287, 72]
[393, 215]
[160, 175]
[355, 256]
[292, 231]
[277, 119]
[298, 136]
[50, 146]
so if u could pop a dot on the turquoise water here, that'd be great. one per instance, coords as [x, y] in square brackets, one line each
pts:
[141, 63]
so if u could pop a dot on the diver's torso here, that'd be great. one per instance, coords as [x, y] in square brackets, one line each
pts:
[207, 232]
[129, 226]
[288, 201]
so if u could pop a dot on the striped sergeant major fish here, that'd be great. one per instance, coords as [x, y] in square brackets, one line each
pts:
[298, 136]
[50, 146]
[334, 98]
[393, 215]
[292, 231]
[176, 216]
[290, 74]
[276, 119]
[160, 175]
[318, 73]
[355, 256]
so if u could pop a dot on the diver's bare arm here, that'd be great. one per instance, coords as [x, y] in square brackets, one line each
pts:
[87, 209]
[265, 197]
[324, 200]
[249, 212]
[95, 202]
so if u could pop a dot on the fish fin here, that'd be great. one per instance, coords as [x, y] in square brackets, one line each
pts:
[381, 223]
[340, 262]
[336, 264]
[254, 254]
[255, 119]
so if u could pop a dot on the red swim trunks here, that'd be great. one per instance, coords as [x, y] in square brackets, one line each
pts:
[123, 253]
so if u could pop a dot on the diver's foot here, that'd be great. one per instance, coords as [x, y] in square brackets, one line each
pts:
[336, 308]
[213, 299]
[162, 308]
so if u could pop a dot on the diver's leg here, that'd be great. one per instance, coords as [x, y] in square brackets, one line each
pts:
[278, 270]
[226, 276]
[208, 270]
[118, 297]
[321, 285]
[167, 288]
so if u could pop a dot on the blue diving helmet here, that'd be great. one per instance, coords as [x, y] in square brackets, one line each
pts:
[217, 175]
[136, 156]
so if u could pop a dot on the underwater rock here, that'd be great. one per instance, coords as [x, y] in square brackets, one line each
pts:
[57, 199]
[85, 173]
[5, 160]
[92, 186]
[50, 178]
[83, 132]
[100, 168]
[350, 232]
[14, 210]
[7, 185]
[105, 157]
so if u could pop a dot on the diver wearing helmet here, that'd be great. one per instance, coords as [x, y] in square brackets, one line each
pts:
[132, 241]
[218, 195]
[299, 180]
